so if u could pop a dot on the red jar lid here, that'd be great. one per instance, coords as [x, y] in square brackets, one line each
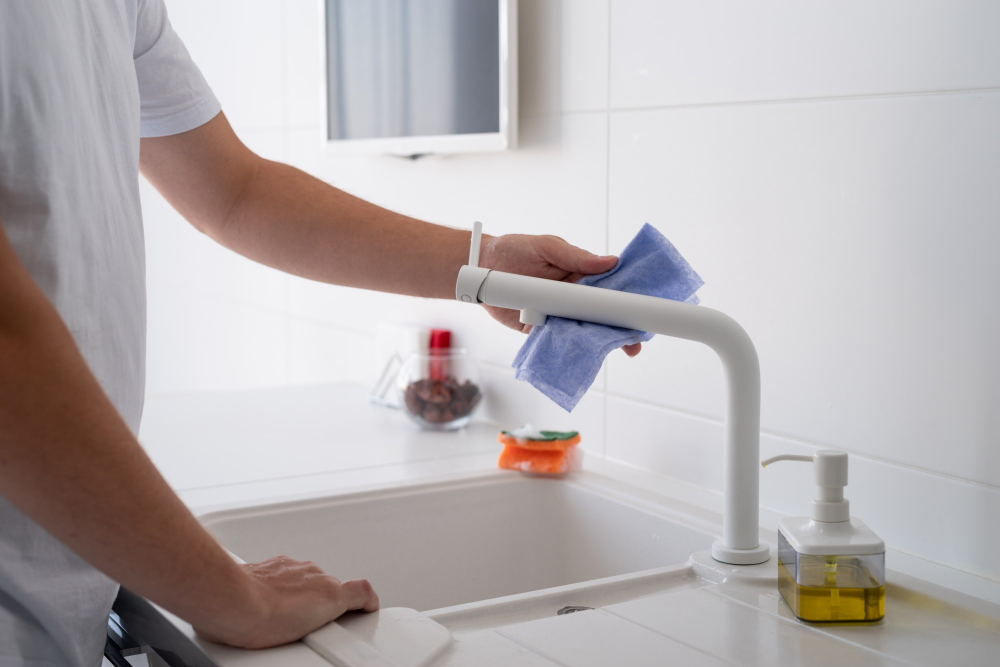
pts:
[440, 339]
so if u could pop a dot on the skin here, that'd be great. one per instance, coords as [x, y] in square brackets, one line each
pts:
[84, 475]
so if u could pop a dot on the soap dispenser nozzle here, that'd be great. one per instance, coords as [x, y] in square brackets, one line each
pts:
[830, 474]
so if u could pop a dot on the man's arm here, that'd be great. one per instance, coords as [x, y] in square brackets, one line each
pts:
[280, 216]
[69, 462]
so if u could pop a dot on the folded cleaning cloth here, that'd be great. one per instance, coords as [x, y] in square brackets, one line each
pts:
[562, 358]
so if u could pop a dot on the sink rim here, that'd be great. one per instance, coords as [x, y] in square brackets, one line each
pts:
[645, 500]
[613, 586]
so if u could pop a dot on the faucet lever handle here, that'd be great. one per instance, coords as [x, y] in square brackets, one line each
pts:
[785, 457]
[533, 317]
[472, 276]
[477, 241]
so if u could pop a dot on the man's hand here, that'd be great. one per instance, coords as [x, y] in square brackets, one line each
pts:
[541, 257]
[294, 598]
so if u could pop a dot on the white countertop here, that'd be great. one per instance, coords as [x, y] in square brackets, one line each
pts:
[223, 448]
[246, 448]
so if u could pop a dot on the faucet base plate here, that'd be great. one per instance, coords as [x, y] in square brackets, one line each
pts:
[760, 554]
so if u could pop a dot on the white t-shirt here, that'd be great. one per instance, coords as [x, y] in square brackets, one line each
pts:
[80, 82]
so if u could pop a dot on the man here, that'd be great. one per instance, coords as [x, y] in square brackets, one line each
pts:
[81, 506]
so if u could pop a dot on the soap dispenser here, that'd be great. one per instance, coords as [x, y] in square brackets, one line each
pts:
[831, 566]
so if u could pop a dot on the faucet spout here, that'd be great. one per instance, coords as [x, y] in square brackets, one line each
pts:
[740, 543]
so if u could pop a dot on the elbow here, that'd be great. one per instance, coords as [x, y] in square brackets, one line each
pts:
[221, 220]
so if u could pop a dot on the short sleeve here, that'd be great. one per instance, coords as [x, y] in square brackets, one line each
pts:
[173, 95]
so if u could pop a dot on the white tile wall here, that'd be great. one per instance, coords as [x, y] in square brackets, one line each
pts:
[831, 172]
[671, 52]
[941, 518]
[239, 46]
[204, 343]
[301, 31]
[564, 56]
[867, 238]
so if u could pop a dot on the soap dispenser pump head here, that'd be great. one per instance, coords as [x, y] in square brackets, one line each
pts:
[830, 474]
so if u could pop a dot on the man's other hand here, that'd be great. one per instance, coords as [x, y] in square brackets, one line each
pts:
[293, 598]
[541, 257]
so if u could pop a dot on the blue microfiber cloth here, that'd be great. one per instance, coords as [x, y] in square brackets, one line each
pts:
[562, 358]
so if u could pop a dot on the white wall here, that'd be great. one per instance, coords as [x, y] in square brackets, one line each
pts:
[831, 170]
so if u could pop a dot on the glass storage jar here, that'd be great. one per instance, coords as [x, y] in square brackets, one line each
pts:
[439, 389]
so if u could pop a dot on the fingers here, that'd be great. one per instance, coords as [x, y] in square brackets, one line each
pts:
[632, 350]
[575, 260]
[291, 599]
[512, 319]
[358, 594]
[508, 318]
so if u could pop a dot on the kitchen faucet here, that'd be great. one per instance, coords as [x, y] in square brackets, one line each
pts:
[538, 298]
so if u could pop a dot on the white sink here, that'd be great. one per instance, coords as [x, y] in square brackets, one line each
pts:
[446, 544]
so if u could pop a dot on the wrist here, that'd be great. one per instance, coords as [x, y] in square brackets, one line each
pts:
[488, 251]
[242, 616]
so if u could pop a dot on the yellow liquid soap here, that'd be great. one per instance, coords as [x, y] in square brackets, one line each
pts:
[832, 589]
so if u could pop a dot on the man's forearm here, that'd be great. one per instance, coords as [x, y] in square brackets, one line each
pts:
[294, 222]
[69, 462]
[282, 217]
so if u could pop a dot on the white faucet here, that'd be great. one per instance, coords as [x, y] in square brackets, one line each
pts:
[537, 298]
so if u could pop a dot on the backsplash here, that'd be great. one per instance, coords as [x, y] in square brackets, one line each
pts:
[830, 170]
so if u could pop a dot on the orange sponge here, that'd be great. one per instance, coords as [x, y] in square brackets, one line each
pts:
[559, 440]
[545, 453]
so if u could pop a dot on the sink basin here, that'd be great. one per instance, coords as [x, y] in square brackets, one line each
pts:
[441, 545]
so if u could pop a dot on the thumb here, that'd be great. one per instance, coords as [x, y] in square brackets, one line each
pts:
[569, 258]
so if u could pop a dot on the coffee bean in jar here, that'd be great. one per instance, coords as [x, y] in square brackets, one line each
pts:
[441, 401]
[439, 389]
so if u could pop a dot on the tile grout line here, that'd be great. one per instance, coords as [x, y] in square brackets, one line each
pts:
[193, 292]
[284, 310]
[607, 147]
[607, 221]
[794, 439]
[809, 100]
[975, 573]
[695, 105]
[285, 149]
[609, 395]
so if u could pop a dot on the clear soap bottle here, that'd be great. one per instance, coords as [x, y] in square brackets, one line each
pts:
[831, 566]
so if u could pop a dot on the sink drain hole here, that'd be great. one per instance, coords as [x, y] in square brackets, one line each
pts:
[572, 609]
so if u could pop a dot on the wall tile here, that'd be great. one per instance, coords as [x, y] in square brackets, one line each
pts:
[199, 343]
[854, 241]
[237, 45]
[563, 56]
[651, 438]
[361, 310]
[672, 52]
[553, 183]
[303, 70]
[512, 403]
[319, 353]
[939, 518]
